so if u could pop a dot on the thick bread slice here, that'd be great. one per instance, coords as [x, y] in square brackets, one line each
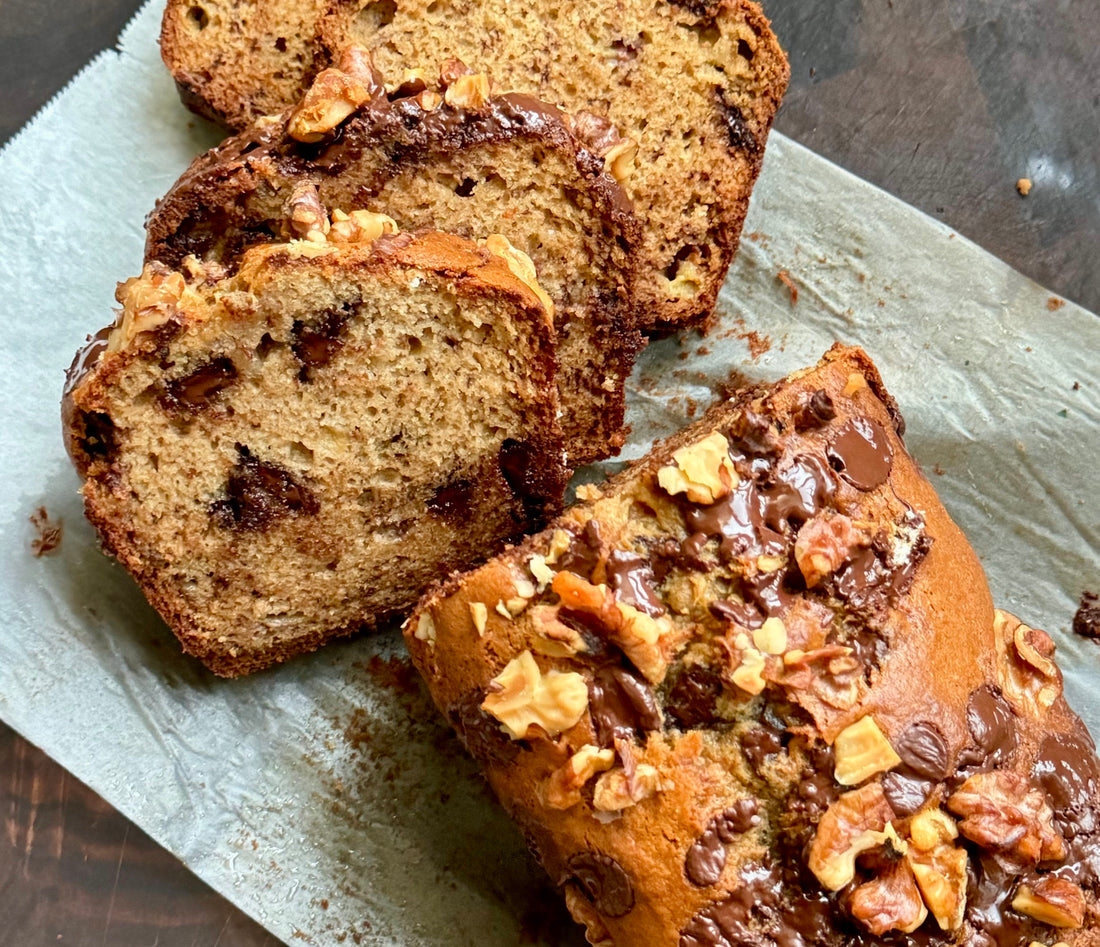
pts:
[293, 453]
[754, 691]
[696, 84]
[451, 157]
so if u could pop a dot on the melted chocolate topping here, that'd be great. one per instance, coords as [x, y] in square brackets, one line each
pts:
[631, 579]
[605, 882]
[992, 723]
[924, 763]
[583, 554]
[706, 858]
[860, 451]
[622, 705]
[817, 411]
[693, 697]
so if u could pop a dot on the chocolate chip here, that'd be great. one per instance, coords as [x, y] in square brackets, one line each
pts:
[480, 734]
[992, 723]
[98, 440]
[452, 501]
[622, 705]
[861, 452]
[316, 343]
[631, 579]
[693, 697]
[816, 411]
[605, 882]
[194, 391]
[737, 129]
[518, 462]
[706, 858]
[258, 494]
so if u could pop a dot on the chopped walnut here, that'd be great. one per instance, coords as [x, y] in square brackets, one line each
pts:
[861, 751]
[1030, 679]
[334, 96]
[566, 782]
[939, 866]
[522, 697]
[559, 543]
[306, 216]
[824, 544]
[479, 612]
[468, 91]
[1003, 812]
[771, 637]
[890, 901]
[360, 226]
[617, 789]
[543, 574]
[425, 628]
[553, 637]
[639, 635]
[1052, 900]
[148, 302]
[853, 824]
[520, 265]
[703, 471]
[749, 673]
[619, 160]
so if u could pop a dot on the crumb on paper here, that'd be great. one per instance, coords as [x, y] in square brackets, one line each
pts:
[938, 470]
[1086, 622]
[1054, 303]
[1024, 186]
[1076, 386]
[785, 278]
[49, 533]
[881, 303]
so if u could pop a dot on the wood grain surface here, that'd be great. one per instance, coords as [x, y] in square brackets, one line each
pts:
[945, 103]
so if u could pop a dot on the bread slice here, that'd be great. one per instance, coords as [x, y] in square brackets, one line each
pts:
[754, 691]
[696, 84]
[447, 156]
[295, 452]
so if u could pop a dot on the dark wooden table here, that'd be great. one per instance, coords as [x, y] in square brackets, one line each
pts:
[945, 103]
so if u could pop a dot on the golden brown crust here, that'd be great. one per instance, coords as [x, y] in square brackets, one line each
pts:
[701, 130]
[277, 457]
[743, 740]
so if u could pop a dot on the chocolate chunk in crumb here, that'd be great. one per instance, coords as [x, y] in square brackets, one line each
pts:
[622, 705]
[260, 493]
[692, 701]
[1086, 622]
[315, 344]
[631, 579]
[740, 135]
[195, 391]
[452, 500]
[605, 882]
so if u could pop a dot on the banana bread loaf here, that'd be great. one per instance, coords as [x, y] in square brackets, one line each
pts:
[753, 691]
[447, 156]
[295, 452]
[696, 84]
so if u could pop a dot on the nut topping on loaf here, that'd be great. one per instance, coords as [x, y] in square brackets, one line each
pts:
[456, 156]
[805, 723]
[694, 84]
[294, 452]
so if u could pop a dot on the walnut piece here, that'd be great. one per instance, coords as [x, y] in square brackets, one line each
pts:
[425, 629]
[1030, 679]
[771, 637]
[703, 471]
[468, 91]
[566, 782]
[640, 636]
[148, 302]
[862, 750]
[938, 866]
[890, 901]
[618, 789]
[823, 545]
[619, 160]
[856, 822]
[522, 697]
[306, 217]
[479, 612]
[334, 96]
[1052, 900]
[554, 638]
[1003, 812]
[360, 226]
[521, 266]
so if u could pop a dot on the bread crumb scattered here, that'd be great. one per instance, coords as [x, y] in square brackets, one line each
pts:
[1055, 303]
[1023, 186]
[785, 278]
[49, 533]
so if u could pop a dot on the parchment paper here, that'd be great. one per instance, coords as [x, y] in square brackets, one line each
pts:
[324, 797]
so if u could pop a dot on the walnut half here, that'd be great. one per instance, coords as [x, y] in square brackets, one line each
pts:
[522, 697]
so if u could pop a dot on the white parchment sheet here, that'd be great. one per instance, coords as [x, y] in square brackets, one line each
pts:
[324, 797]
